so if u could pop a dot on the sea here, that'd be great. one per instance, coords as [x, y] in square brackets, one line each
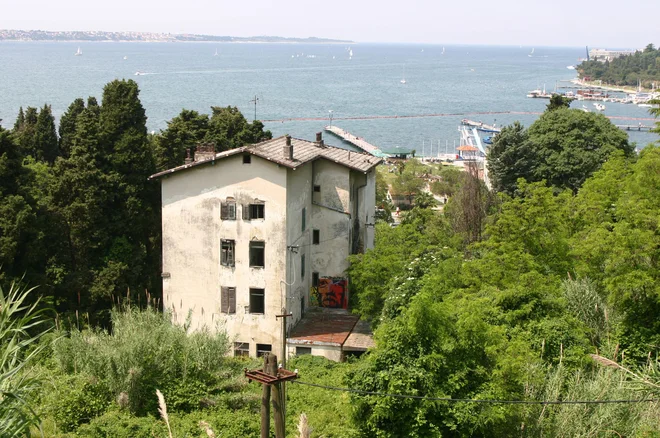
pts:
[300, 88]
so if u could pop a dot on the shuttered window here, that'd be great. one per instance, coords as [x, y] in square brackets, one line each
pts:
[256, 210]
[228, 210]
[227, 253]
[228, 300]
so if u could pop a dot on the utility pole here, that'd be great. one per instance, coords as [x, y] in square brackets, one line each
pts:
[283, 316]
[270, 367]
[254, 101]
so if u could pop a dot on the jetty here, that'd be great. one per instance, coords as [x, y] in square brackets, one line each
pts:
[483, 127]
[639, 127]
[356, 141]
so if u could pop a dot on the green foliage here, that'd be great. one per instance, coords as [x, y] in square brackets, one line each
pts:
[557, 101]
[563, 147]
[409, 181]
[76, 399]
[642, 66]
[22, 324]
[68, 123]
[145, 352]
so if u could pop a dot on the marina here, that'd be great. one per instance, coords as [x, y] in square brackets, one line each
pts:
[356, 141]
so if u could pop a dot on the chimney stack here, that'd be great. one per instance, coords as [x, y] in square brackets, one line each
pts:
[205, 151]
[288, 149]
[319, 139]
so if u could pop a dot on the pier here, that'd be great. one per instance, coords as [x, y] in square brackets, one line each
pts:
[639, 127]
[356, 141]
[480, 126]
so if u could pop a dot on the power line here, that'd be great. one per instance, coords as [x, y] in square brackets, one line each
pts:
[472, 400]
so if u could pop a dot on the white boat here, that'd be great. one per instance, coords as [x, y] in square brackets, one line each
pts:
[584, 108]
[570, 67]
[216, 52]
[403, 79]
[125, 57]
[350, 53]
[645, 105]
[539, 94]
[139, 73]
[443, 50]
[79, 52]
[531, 53]
[599, 106]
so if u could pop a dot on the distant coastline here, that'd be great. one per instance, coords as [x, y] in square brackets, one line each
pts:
[152, 37]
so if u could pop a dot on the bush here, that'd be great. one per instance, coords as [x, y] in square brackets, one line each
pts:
[144, 352]
[76, 400]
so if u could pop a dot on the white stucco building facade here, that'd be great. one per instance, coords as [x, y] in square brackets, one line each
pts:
[262, 228]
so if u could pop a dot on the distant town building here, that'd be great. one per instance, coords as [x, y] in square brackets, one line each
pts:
[603, 55]
[263, 230]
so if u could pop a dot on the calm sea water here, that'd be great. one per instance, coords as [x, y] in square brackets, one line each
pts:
[304, 81]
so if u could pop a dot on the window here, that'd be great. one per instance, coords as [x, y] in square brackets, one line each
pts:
[302, 265]
[256, 210]
[303, 350]
[228, 210]
[315, 279]
[316, 237]
[317, 189]
[247, 159]
[257, 254]
[227, 253]
[228, 300]
[304, 216]
[262, 349]
[241, 349]
[257, 304]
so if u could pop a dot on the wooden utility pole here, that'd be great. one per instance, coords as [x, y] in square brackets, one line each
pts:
[270, 367]
[283, 316]
[273, 376]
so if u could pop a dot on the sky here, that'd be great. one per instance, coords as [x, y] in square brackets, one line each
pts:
[574, 23]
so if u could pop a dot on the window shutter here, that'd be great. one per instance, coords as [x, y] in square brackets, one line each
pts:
[232, 300]
[246, 212]
[230, 256]
[224, 300]
[224, 210]
[231, 210]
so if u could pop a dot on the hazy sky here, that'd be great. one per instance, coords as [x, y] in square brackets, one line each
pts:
[597, 23]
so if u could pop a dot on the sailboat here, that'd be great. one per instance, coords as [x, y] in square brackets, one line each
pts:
[216, 52]
[350, 53]
[443, 50]
[531, 53]
[79, 52]
[403, 80]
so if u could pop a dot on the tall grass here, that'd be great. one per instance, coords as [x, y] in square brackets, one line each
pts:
[144, 351]
[21, 326]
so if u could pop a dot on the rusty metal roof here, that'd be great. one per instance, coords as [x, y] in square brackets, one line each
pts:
[323, 326]
[303, 152]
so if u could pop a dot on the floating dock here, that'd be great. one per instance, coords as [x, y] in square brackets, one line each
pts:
[480, 126]
[356, 141]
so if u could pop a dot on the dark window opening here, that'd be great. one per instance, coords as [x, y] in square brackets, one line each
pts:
[316, 237]
[303, 350]
[228, 210]
[228, 300]
[317, 189]
[257, 254]
[262, 349]
[257, 302]
[247, 159]
[302, 265]
[315, 279]
[304, 217]
[241, 349]
[227, 253]
[257, 211]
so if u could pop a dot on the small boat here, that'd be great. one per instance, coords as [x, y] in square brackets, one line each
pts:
[139, 73]
[216, 52]
[645, 105]
[531, 53]
[443, 50]
[584, 108]
[539, 94]
[79, 52]
[125, 57]
[599, 106]
[570, 67]
[488, 140]
[403, 79]
[350, 53]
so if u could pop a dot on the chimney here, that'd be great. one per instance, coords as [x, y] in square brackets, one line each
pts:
[288, 149]
[319, 139]
[188, 159]
[205, 151]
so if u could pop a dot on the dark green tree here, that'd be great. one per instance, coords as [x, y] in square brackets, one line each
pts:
[510, 157]
[183, 132]
[557, 101]
[20, 120]
[45, 146]
[229, 129]
[68, 125]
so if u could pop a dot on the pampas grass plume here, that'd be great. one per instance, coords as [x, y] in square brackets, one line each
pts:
[162, 410]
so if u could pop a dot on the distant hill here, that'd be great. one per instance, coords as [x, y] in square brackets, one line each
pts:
[641, 67]
[44, 35]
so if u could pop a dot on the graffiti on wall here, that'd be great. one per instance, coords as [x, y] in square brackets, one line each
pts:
[331, 292]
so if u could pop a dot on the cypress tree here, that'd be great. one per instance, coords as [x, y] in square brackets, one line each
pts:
[45, 138]
[20, 120]
[68, 125]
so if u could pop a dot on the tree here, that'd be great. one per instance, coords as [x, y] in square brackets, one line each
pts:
[183, 132]
[229, 129]
[45, 137]
[563, 147]
[409, 182]
[68, 125]
[557, 101]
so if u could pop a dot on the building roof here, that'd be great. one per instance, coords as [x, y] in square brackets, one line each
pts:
[467, 147]
[303, 152]
[323, 326]
[361, 338]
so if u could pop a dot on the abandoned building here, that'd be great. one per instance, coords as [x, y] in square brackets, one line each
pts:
[264, 229]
